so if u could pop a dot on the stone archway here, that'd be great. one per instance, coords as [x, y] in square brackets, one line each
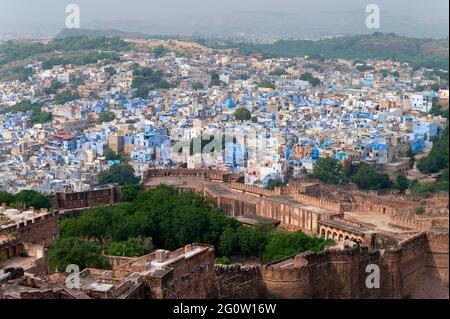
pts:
[322, 233]
[341, 237]
[329, 234]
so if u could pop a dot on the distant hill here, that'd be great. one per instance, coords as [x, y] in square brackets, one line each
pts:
[91, 33]
[428, 52]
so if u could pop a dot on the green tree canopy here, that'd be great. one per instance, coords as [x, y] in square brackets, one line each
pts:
[266, 84]
[74, 251]
[172, 220]
[31, 198]
[310, 78]
[133, 247]
[6, 198]
[243, 114]
[329, 170]
[437, 159]
[106, 117]
[282, 245]
[402, 183]
[122, 174]
[367, 178]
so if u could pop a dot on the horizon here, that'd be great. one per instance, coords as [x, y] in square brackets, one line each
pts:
[262, 19]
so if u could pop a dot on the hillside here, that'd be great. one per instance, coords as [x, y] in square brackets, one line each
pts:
[423, 52]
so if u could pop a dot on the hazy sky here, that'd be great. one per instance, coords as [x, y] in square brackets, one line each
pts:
[32, 15]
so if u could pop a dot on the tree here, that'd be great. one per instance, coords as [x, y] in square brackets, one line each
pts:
[329, 170]
[253, 240]
[74, 251]
[122, 174]
[278, 72]
[110, 155]
[266, 84]
[6, 198]
[367, 178]
[54, 87]
[106, 117]
[31, 198]
[438, 157]
[228, 242]
[224, 260]
[130, 192]
[133, 247]
[197, 86]
[243, 114]
[310, 78]
[402, 183]
[66, 96]
[111, 71]
[160, 51]
[420, 88]
[420, 210]
[215, 79]
[172, 220]
[282, 245]
[274, 183]
[422, 190]
[142, 92]
[444, 180]
[90, 226]
[41, 117]
[435, 87]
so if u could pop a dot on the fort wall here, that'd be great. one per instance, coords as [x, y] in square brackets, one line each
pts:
[40, 230]
[436, 255]
[67, 201]
[238, 282]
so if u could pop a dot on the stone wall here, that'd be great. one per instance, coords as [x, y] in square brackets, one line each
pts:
[40, 230]
[238, 282]
[292, 217]
[436, 255]
[67, 201]
[337, 274]
[234, 208]
[206, 173]
[413, 259]
[321, 203]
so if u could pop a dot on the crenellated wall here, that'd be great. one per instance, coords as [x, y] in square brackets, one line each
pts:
[255, 189]
[238, 282]
[436, 255]
[413, 259]
[67, 201]
[206, 173]
[339, 273]
[336, 274]
[322, 203]
[40, 230]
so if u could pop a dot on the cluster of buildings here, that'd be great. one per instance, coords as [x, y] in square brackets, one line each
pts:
[375, 116]
[366, 228]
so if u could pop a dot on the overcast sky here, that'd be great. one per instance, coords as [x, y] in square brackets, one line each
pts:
[32, 15]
